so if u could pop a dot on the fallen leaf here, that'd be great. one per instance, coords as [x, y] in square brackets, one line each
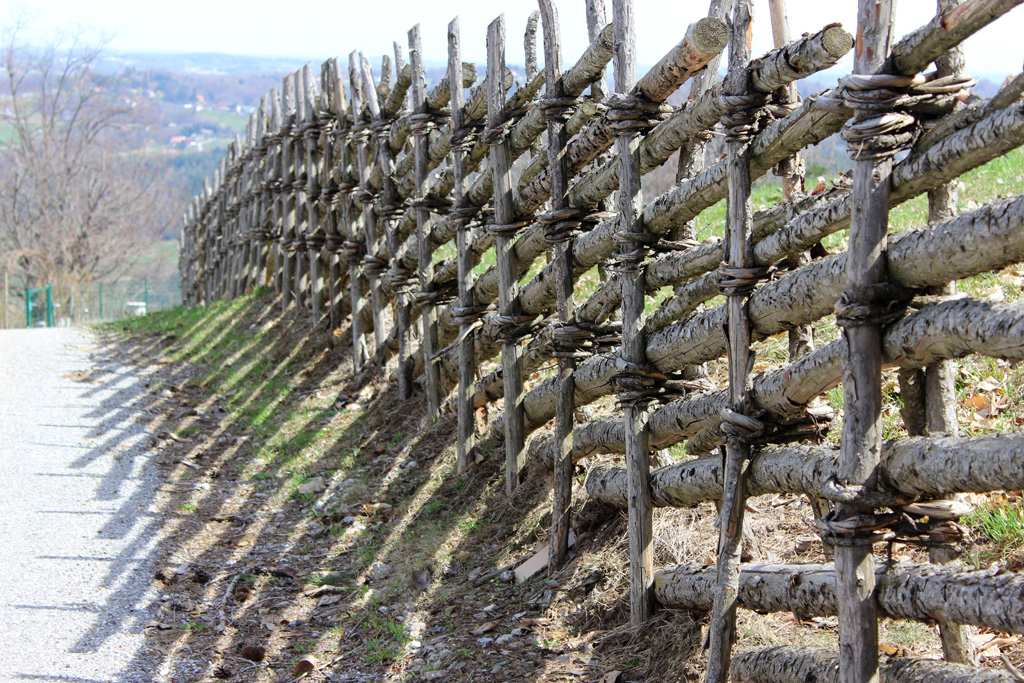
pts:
[890, 650]
[485, 627]
[611, 677]
[304, 665]
[977, 402]
[988, 384]
[328, 600]
[270, 623]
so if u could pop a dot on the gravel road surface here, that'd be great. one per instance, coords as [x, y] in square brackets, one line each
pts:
[77, 531]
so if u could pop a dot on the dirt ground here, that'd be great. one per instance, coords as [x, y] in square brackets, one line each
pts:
[315, 530]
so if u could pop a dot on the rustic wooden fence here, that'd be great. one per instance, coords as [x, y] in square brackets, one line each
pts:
[341, 198]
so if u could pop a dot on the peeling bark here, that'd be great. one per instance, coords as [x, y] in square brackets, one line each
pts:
[915, 467]
[953, 249]
[785, 664]
[991, 598]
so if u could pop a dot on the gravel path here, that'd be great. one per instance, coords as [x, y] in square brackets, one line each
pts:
[77, 534]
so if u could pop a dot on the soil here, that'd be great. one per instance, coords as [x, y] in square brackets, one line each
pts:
[378, 563]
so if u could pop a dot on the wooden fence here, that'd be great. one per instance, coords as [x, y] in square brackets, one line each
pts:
[342, 198]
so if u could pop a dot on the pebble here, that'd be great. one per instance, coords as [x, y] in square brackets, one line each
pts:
[380, 570]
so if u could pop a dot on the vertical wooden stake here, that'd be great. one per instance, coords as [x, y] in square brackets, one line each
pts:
[360, 134]
[862, 372]
[425, 268]
[560, 251]
[939, 378]
[740, 256]
[388, 199]
[303, 219]
[634, 346]
[596, 22]
[508, 283]
[287, 197]
[464, 393]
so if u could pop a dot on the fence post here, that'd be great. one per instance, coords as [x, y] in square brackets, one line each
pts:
[314, 214]
[360, 135]
[556, 107]
[288, 168]
[508, 282]
[425, 269]
[634, 351]
[862, 369]
[300, 259]
[463, 237]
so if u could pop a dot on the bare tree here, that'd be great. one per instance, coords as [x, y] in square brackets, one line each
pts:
[76, 196]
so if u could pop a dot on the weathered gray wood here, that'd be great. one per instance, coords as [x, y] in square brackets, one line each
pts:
[862, 371]
[955, 328]
[595, 22]
[634, 346]
[916, 50]
[287, 200]
[937, 402]
[508, 300]
[916, 467]
[466, 439]
[370, 232]
[425, 269]
[789, 664]
[386, 201]
[699, 338]
[564, 413]
[990, 598]
[740, 257]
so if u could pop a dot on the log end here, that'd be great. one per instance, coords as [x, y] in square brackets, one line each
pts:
[836, 41]
[710, 35]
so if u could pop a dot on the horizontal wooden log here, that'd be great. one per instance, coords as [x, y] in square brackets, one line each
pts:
[923, 170]
[779, 67]
[986, 239]
[916, 467]
[787, 664]
[949, 329]
[918, 49]
[991, 598]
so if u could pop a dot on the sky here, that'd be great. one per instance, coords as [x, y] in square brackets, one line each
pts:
[336, 28]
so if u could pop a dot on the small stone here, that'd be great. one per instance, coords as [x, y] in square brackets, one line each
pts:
[485, 640]
[506, 576]
[513, 645]
[380, 570]
[503, 640]
[415, 645]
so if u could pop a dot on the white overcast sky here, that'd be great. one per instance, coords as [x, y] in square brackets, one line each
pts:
[318, 30]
